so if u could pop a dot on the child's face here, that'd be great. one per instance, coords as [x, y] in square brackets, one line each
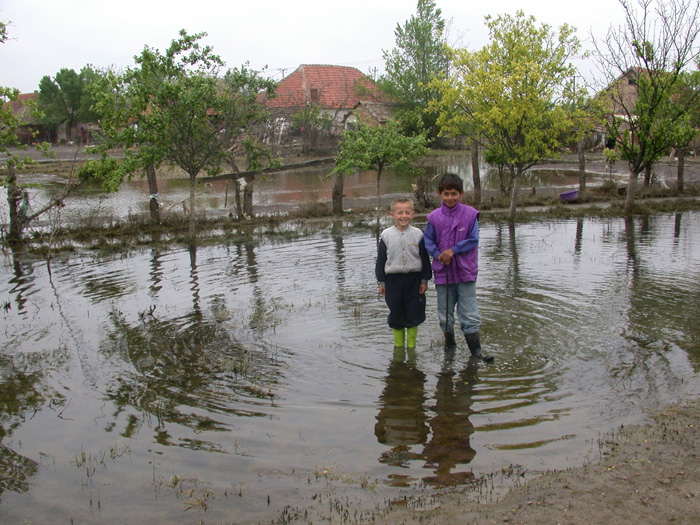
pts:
[451, 197]
[402, 214]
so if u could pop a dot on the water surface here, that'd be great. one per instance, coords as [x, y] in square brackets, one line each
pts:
[258, 381]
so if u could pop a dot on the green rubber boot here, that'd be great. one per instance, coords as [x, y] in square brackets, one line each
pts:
[411, 336]
[399, 337]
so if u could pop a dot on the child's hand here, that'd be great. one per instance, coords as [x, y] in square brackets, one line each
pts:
[423, 288]
[446, 257]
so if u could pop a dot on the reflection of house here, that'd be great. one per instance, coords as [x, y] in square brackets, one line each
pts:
[334, 91]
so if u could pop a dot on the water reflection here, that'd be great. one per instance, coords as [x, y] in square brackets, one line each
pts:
[259, 368]
[185, 372]
[402, 418]
[449, 447]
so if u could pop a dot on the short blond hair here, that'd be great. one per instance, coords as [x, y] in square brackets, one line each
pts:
[401, 200]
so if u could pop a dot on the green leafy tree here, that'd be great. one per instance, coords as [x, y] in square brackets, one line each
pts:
[688, 89]
[173, 108]
[418, 57]
[512, 95]
[244, 112]
[66, 98]
[15, 113]
[643, 64]
[375, 148]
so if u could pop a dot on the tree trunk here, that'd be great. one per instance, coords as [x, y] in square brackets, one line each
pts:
[681, 170]
[14, 196]
[153, 205]
[647, 175]
[248, 195]
[514, 196]
[581, 164]
[338, 194]
[476, 175]
[379, 176]
[239, 204]
[631, 190]
[191, 230]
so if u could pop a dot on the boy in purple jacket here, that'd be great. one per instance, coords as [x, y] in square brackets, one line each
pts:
[452, 238]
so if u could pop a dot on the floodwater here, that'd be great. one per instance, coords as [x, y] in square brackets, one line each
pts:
[257, 382]
[273, 194]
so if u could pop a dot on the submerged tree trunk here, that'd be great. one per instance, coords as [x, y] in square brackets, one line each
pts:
[248, 195]
[379, 176]
[153, 205]
[681, 170]
[581, 164]
[631, 190]
[476, 175]
[514, 196]
[14, 196]
[338, 193]
[191, 229]
[239, 203]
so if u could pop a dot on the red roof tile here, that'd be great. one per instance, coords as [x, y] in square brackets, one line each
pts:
[328, 86]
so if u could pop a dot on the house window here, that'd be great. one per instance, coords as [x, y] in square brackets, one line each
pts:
[314, 96]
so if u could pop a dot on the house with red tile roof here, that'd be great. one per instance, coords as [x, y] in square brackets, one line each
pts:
[335, 91]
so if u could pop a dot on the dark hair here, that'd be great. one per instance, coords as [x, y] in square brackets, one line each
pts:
[450, 181]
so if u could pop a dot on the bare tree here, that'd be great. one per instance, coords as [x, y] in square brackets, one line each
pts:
[643, 63]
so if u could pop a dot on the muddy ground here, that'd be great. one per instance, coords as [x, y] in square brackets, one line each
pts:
[647, 474]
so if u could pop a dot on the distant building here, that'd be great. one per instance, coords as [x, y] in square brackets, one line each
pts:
[332, 92]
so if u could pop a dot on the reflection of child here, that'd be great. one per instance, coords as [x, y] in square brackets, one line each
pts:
[452, 238]
[403, 271]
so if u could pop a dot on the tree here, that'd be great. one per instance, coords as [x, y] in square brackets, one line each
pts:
[418, 58]
[67, 99]
[375, 148]
[13, 114]
[512, 96]
[244, 112]
[173, 108]
[643, 63]
[689, 88]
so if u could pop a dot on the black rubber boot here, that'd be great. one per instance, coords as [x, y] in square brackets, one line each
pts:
[474, 344]
[450, 343]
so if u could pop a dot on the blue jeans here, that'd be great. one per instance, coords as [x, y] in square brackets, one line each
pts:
[463, 295]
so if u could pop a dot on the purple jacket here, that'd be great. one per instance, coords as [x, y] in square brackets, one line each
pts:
[456, 228]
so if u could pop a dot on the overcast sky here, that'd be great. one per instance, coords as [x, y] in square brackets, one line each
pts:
[47, 35]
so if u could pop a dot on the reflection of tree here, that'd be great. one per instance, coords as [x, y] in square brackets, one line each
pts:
[338, 240]
[677, 227]
[661, 312]
[20, 393]
[156, 272]
[194, 279]
[20, 281]
[449, 445]
[183, 372]
[579, 237]
[509, 247]
[401, 421]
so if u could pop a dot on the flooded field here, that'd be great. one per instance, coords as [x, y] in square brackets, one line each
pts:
[257, 382]
[275, 193]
